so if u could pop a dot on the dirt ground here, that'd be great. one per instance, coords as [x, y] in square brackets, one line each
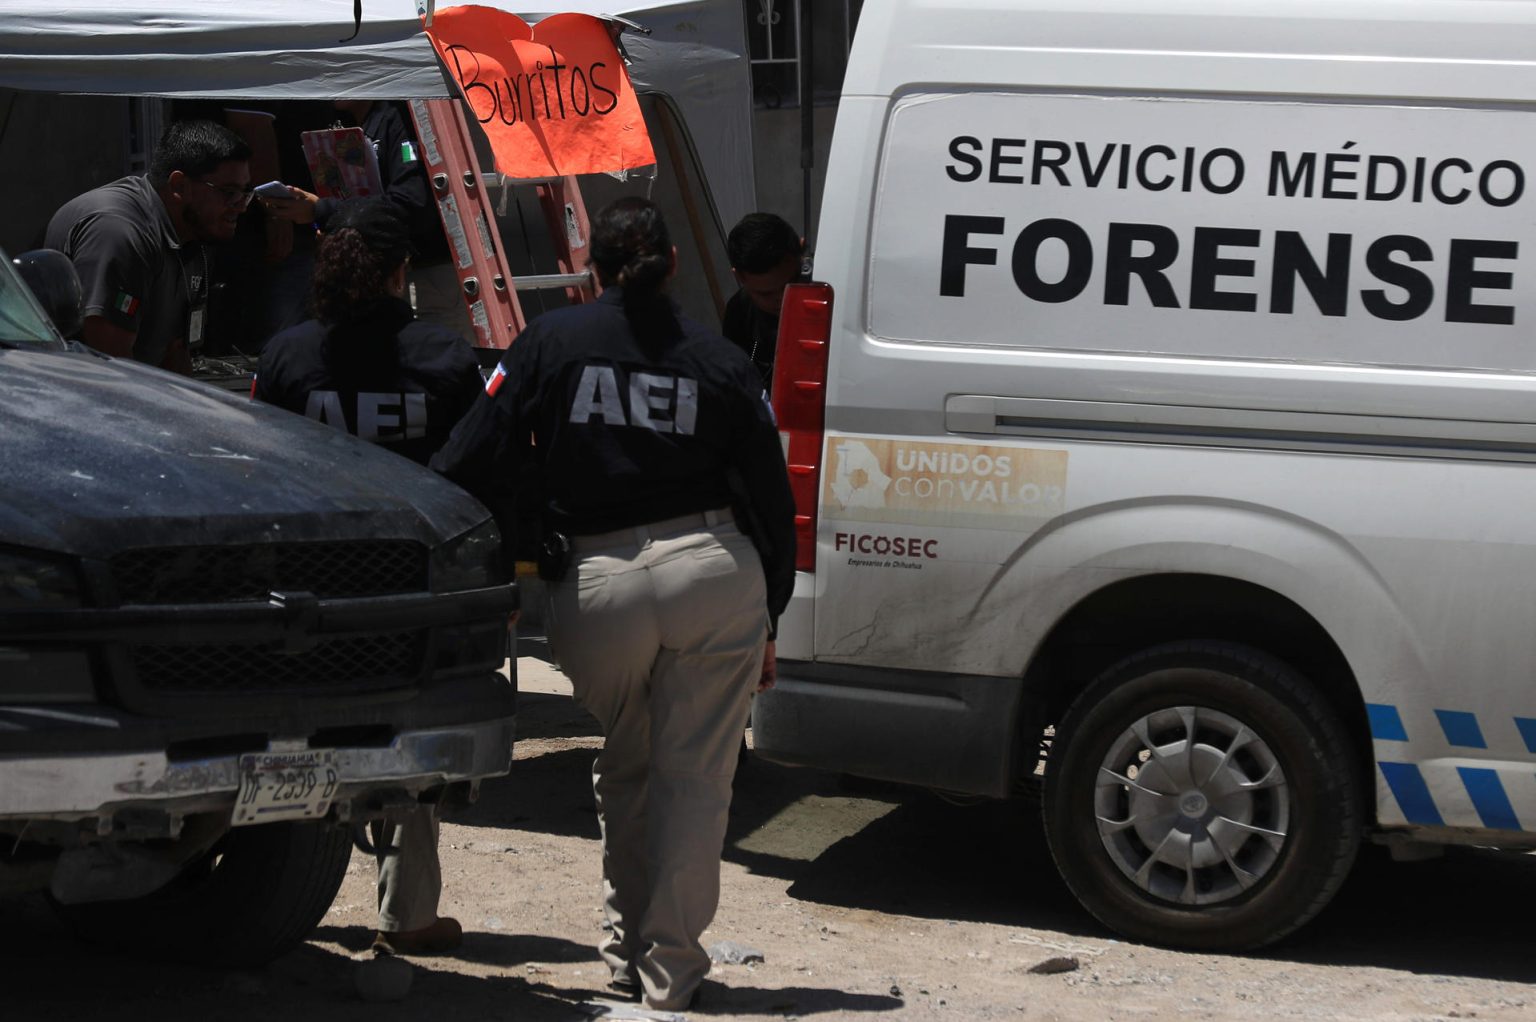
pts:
[862, 901]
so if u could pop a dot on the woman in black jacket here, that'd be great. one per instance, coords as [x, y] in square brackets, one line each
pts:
[653, 441]
[366, 365]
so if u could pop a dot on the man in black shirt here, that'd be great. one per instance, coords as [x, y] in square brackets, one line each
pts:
[137, 244]
[765, 255]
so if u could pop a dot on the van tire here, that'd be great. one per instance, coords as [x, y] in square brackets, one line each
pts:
[1164, 862]
[260, 892]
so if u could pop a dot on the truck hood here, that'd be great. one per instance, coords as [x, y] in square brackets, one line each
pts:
[99, 454]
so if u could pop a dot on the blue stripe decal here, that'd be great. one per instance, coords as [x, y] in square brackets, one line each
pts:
[1412, 793]
[1461, 729]
[1527, 728]
[1489, 798]
[1385, 722]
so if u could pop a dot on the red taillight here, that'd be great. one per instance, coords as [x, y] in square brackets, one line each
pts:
[800, 400]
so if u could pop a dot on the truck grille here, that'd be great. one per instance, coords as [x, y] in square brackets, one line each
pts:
[377, 661]
[220, 574]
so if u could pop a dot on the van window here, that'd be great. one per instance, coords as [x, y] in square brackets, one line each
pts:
[1230, 228]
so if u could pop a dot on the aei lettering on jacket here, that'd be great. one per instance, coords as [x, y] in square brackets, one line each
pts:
[657, 401]
[381, 418]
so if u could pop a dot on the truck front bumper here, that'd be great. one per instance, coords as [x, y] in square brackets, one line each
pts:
[101, 785]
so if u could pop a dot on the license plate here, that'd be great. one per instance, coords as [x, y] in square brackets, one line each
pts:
[285, 786]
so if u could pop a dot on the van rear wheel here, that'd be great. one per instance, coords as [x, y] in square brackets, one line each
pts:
[1202, 795]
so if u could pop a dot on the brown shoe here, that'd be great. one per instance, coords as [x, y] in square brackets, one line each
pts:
[443, 935]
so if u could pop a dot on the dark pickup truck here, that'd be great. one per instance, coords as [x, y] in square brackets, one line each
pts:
[228, 637]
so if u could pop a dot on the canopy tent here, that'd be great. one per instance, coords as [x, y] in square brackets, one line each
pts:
[694, 57]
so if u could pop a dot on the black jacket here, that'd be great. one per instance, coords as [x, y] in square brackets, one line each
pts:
[754, 332]
[404, 174]
[631, 430]
[384, 377]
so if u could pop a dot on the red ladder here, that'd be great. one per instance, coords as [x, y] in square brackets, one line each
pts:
[479, 257]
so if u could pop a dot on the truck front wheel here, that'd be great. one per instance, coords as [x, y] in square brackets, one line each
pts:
[256, 895]
[1202, 795]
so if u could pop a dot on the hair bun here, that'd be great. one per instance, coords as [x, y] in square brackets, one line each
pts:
[645, 272]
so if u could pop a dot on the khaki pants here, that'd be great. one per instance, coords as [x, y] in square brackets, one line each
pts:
[661, 630]
[411, 880]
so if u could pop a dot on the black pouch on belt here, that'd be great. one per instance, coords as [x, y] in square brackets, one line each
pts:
[554, 556]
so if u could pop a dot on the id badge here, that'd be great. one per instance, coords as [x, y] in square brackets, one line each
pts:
[195, 328]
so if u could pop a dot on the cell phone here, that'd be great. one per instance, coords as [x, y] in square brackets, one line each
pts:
[274, 190]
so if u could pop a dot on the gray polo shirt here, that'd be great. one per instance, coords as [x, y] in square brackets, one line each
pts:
[135, 273]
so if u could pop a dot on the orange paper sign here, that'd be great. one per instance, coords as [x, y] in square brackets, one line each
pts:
[553, 99]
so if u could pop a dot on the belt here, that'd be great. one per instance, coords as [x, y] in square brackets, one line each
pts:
[639, 534]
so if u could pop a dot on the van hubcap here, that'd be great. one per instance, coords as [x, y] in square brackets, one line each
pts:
[1191, 805]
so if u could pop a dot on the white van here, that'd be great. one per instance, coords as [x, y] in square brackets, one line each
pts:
[1167, 415]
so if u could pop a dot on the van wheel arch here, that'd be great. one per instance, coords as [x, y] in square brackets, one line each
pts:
[1135, 614]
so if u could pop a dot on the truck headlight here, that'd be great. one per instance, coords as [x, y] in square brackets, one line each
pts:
[29, 674]
[34, 583]
[469, 561]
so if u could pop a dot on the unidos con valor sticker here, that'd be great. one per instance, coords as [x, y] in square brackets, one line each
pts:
[933, 483]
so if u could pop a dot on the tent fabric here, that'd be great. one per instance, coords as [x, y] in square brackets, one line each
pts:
[695, 57]
[252, 49]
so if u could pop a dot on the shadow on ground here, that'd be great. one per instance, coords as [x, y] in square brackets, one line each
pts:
[835, 842]
[885, 848]
[1460, 915]
[48, 974]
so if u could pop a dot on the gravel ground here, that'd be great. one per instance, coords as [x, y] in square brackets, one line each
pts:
[861, 901]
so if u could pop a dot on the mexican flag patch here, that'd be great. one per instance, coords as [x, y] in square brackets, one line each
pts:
[126, 303]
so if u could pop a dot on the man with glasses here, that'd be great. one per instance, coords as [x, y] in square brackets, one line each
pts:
[138, 244]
